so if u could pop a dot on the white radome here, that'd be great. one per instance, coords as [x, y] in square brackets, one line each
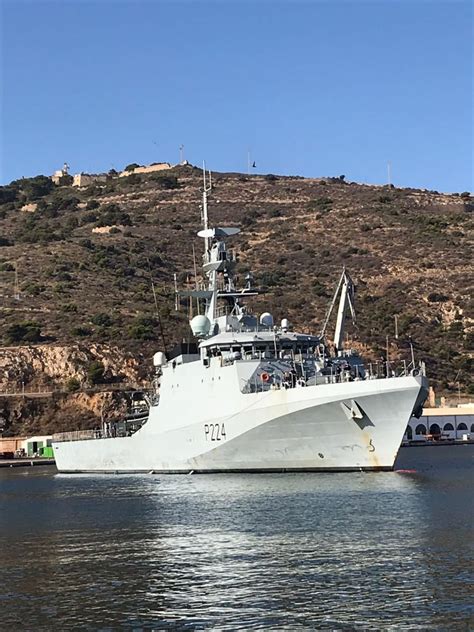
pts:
[200, 326]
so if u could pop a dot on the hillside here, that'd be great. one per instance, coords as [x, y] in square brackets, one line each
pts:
[84, 260]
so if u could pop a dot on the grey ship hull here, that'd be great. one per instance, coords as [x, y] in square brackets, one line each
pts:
[302, 429]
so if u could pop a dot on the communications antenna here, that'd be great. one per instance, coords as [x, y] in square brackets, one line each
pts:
[207, 188]
[181, 154]
[16, 286]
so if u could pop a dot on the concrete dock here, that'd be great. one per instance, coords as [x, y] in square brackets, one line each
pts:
[26, 462]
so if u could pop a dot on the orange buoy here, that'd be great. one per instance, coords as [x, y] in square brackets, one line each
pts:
[264, 377]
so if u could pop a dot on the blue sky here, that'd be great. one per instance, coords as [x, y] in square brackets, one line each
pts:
[310, 88]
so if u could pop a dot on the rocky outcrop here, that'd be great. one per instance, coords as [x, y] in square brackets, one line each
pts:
[52, 366]
[60, 412]
[35, 380]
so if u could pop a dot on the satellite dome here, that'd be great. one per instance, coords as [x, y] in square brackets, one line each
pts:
[159, 359]
[266, 319]
[200, 326]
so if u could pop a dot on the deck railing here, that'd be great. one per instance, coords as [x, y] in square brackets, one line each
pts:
[75, 435]
[333, 375]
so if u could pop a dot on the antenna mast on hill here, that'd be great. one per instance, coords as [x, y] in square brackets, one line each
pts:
[207, 188]
[16, 286]
[181, 154]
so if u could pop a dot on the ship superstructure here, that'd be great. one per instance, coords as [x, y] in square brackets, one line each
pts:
[251, 395]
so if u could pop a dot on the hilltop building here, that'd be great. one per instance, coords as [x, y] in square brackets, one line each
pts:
[60, 173]
[158, 166]
[85, 179]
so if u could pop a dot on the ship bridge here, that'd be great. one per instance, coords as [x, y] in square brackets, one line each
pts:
[253, 344]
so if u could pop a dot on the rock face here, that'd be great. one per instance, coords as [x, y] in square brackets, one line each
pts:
[59, 412]
[34, 384]
[53, 366]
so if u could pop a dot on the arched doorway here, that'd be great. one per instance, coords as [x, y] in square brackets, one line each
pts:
[448, 427]
[420, 429]
[435, 430]
[409, 433]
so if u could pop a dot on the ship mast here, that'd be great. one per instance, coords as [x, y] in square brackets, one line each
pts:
[207, 188]
[212, 274]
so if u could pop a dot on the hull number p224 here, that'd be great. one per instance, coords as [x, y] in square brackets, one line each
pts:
[214, 432]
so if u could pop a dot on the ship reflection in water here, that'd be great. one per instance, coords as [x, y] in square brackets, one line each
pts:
[283, 551]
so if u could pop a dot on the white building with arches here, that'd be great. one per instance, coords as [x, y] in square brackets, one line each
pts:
[444, 423]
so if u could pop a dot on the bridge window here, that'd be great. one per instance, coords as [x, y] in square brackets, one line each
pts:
[435, 429]
[420, 429]
[448, 427]
[462, 426]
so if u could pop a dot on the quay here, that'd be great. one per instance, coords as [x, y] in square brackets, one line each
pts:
[19, 462]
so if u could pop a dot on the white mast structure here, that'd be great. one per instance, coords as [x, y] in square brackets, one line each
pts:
[215, 260]
[346, 288]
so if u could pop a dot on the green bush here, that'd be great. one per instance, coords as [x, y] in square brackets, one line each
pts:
[73, 385]
[81, 331]
[95, 372]
[69, 308]
[8, 194]
[102, 320]
[28, 331]
[436, 297]
[131, 166]
[142, 328]
[35, 188]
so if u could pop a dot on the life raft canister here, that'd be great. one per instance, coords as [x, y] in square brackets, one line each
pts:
[264, 377]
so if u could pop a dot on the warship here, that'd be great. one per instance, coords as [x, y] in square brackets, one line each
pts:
[254, 396]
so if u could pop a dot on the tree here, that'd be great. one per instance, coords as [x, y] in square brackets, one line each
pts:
[35, 188]
[8, 194]
[131, 166]
[95, 372]
[166, 182]
[65, 181]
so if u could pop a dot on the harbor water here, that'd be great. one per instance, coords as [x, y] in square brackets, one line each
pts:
[352, 551]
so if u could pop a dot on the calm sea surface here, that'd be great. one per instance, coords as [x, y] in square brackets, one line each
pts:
[379, 551]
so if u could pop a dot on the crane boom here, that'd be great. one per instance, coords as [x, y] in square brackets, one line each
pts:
[345, 288]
